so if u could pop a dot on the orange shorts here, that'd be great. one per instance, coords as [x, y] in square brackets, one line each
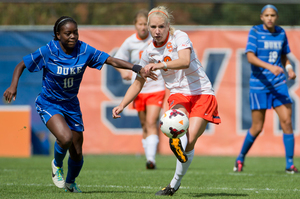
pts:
[145, 99]
[204, 106]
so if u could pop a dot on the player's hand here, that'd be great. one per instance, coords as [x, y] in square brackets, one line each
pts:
[292, 74]
[151, 67]
[147, 73]
[276, 70]
[10, 94]
[116, 111]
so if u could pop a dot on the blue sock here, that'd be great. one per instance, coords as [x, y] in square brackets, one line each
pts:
[249, 139]
[73, 170]
[289, 142]
[59, 155]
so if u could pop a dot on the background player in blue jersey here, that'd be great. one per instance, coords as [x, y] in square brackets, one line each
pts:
[63, 61]
[267, 50]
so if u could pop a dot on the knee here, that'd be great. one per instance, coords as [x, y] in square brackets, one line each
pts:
[151, 124]
[286, 122]
[286, 125]
[66, 141]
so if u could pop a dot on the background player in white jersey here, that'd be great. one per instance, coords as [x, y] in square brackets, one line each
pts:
[267, 50]
[63, 61]
[190, 89]
[149, 101]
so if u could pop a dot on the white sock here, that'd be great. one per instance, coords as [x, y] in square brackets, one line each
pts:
[181, 169]
[152, 142]
[144, 146]
[184, 141]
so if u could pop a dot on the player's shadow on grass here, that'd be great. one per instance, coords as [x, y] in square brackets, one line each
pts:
[219, 194]
[191, 195]
[114, 192]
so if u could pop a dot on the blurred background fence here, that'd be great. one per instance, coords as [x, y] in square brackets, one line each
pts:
[121, 12]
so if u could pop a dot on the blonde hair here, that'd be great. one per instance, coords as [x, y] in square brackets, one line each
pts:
[163, 12]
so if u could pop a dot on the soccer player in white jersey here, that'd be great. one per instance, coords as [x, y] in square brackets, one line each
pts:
[191, 91]
[267, 50]
[63, 61]
[149, 101]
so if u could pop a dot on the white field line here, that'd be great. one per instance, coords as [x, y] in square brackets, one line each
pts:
[149, 187]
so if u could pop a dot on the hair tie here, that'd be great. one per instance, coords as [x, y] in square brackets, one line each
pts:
[269, 6]
[157, 11]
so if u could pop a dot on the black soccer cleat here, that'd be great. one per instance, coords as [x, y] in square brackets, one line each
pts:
[166, 191]
[150, 165]
[176, 147]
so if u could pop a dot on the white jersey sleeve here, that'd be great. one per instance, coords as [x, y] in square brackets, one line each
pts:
[182, 41]
[124, 51]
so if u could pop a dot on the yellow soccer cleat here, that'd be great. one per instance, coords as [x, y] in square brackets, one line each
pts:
[176, 147]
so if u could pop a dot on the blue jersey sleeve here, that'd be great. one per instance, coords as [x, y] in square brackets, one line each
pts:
[252, 41]
[37, 60]
[98, 58]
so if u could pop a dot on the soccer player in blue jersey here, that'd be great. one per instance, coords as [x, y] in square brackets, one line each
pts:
[63, 61]
[267, 50]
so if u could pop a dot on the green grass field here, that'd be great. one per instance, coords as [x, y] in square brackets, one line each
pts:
[125, 176]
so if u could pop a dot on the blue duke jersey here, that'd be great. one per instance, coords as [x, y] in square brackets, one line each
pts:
[268, 47]
[62, 73]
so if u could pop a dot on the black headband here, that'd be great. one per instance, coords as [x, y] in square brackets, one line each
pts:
[62, 21]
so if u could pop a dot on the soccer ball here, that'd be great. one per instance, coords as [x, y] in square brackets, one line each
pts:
[174, 123]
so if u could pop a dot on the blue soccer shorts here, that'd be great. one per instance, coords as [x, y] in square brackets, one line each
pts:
[277, 97]
[69, 110]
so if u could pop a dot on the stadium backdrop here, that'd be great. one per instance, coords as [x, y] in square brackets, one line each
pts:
[221, 51]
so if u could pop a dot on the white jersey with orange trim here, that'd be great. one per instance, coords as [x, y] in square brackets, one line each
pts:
[131, 51]
[190, 81]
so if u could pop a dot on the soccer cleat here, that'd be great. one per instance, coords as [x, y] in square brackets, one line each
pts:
[238, 167]
[291, 170]
[58, 175]
[166, 191]
[72, 187]
[150, 165]
[176, 147]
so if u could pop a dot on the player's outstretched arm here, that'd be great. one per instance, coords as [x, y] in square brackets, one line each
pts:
[130, 95]
[183, 62]
[125, 74]
[119, 63]
[11, 92]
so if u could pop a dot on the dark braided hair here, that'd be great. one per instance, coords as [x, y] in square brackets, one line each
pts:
[60, 22]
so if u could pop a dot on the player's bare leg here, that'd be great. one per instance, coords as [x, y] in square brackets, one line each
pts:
[258, 119]
[75, 162]
[196, 129]
[59, 128]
